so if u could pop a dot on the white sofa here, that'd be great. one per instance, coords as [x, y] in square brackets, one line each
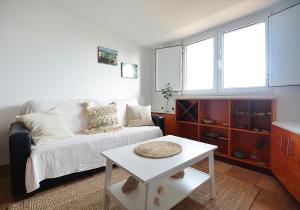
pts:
[80, 152]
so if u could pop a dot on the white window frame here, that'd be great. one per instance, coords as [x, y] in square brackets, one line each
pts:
[217, 33]
[194, 40]
[221, 88]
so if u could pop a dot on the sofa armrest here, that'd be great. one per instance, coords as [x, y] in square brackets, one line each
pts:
[159, 121]
[19, 149]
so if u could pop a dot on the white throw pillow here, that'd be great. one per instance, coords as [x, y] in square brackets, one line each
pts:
[139, 116]
[45, 126]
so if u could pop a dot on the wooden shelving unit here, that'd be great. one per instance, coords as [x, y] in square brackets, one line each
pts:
[251, 131]
[185, 122]
[187, 111]
[243, 124]
[187, 117]
[214, 126]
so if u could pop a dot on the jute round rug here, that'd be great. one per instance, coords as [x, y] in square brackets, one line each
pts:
[88, 193]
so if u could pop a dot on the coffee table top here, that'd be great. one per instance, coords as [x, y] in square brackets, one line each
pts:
[147, 169]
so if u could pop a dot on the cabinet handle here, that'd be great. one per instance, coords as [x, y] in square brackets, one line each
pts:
[291, 148]
[281, 141]
[288, 147]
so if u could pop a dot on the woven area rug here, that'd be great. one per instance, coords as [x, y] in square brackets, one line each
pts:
[88, 193]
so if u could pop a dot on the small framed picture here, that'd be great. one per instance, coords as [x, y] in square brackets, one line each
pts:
[107, 56]
[129, 70]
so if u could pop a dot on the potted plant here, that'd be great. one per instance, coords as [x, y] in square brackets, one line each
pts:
[167, 93]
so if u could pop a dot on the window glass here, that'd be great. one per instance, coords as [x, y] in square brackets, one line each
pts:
[244, 57]
[200, 65]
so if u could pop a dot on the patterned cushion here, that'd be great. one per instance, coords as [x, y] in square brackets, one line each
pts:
[102, 118]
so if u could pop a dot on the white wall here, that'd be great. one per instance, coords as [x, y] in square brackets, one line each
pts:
[288, 98]
[146, 77]
[47, 52]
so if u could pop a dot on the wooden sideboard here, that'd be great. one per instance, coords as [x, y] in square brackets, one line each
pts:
[242, 125]
[281, 149]
[285, 159]
[170, 123]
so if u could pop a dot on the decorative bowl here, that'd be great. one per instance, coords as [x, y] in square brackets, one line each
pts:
[239, 154]
[207, 121]
[211, 135]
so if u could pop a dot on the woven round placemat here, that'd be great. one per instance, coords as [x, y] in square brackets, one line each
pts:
[158, 149]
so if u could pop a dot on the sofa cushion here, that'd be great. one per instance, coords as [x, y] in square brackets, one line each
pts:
[45, 126]
[72, 111]
[79, 153]
[102, 118]
[139, 116]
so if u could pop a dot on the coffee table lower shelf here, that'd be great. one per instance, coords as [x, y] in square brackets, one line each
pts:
[174, 190]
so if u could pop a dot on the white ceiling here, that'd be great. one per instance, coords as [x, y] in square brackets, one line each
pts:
[149, 22]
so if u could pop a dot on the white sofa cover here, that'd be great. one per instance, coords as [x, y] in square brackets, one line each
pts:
[80, 152]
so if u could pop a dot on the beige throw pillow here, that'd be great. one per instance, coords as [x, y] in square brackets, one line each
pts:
[45, 126]
[139, 116]
[102, 118]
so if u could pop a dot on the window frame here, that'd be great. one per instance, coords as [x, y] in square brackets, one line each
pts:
[217, 33]
[221, 87]
[194, 40]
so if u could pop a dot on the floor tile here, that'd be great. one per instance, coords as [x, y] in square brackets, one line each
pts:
[202, 166]
[5, 192]
[220, 166]
[4, 172]
[267, 200]
[287, 200]
[269, 183]
[244, 175]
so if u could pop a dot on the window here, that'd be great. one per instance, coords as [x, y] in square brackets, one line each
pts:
[244, 57]
[200, 65]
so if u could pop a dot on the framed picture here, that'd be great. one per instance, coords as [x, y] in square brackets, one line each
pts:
[129, 70]
[107, 56]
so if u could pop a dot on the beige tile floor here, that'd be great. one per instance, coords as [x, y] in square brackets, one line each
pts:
[271, 196]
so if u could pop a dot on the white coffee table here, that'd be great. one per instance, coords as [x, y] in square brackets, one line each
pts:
[154, 172]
